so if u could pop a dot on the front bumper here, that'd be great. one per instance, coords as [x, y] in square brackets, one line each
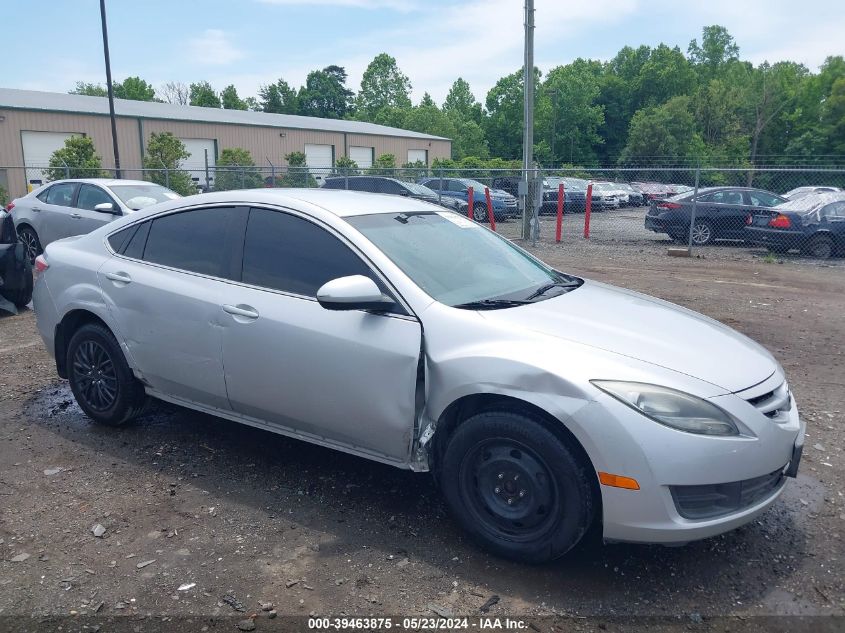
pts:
[663, 459]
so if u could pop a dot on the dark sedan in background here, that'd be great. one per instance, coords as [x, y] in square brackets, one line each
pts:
[721, 213]
[814, 224]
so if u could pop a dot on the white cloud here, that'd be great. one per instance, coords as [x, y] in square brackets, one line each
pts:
[213, 48]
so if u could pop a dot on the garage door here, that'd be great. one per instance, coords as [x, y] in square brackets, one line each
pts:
[415, 155]
[320, 160]
[195, 163]
[363, 156]
[37, 149]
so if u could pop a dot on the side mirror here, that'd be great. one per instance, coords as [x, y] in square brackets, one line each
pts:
[355, 292]
[105, 207]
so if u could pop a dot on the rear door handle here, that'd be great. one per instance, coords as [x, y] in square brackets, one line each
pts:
[75, 216]
[36, 209]
[247, 312]
[122, 278]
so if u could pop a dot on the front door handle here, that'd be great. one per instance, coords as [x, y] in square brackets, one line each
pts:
[247, 312]
[121, 278]
[75, 216]
[36, 209]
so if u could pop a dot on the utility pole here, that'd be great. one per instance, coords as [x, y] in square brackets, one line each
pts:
[528, 119]
[110, 88]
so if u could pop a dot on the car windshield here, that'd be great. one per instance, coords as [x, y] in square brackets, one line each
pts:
[456, 261]
[139, 196]
[419, 190]
[575, 183]
[474, 184]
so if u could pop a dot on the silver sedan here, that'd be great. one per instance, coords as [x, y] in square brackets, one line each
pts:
[75, 206]
[401, 332]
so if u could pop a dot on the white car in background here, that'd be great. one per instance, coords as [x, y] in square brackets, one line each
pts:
[77, 206]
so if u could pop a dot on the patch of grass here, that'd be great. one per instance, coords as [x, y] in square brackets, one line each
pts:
[770, 258]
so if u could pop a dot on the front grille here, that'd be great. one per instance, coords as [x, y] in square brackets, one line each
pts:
[714, 500]
[774, 404]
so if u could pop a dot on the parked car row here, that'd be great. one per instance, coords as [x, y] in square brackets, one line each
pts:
[812, 222]
[396, 187]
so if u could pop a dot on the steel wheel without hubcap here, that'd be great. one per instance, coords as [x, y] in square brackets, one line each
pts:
[96, 376]
[510, 490]
[30, 242]
[702, 233]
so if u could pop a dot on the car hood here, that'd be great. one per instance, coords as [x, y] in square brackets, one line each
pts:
[647, 329]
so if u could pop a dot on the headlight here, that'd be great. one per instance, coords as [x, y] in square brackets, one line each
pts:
[671, 408]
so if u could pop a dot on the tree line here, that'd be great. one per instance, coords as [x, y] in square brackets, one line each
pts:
[646, 106]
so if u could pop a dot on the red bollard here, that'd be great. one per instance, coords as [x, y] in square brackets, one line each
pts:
[587, 211]
[560, 200]
[469, 200]
[490, 213]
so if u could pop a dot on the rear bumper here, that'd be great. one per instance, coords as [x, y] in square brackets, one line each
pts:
[774, 237]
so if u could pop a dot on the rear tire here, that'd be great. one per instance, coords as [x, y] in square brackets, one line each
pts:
[819, 246]
[703, 233]
[100, 377]
[23, 295]
[516, 488]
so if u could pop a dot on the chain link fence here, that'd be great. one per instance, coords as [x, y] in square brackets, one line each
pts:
[714, 212]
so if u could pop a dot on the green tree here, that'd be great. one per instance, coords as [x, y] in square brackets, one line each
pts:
[230, 100]
[503, 125]
[384, 165]
[202, 94]
[77, 159]
[345, 166]
[666, 74]
[236, 170]
[134, 89]
[297, 173]
[572, 119]
[89, 90]
[325, 94]
[278, 98]
[461, 103]
[663, 135]
[717, 49]
[383, 85]
[163, 159]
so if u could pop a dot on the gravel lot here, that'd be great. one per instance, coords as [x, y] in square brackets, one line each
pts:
[201, 514]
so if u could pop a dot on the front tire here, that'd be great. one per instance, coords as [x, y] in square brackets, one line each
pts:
[23, 295]
[703, 233]
[100, 377]
[479, 212]
[516, 488]
[31, 243]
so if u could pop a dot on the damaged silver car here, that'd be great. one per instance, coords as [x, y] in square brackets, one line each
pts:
[398, 331]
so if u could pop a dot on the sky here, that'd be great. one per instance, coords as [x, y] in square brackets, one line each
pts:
[250, 43]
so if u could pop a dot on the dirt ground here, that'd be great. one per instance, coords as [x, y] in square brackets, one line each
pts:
[202, 515]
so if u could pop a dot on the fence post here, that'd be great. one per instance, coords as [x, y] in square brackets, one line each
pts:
[694, 207]
[490, 213]
[243, 178]
[346, 177]
[272, 173]
[469, 201]
[560, 201]
[205, 151]
[67, 169]
[440, 187]
[588, 210]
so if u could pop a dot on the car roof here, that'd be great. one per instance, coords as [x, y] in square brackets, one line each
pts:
[107, 182]
[339, 202]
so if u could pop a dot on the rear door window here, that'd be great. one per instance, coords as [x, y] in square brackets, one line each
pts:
[834, 212]
[201, 240]
[61, 194]
[763, 199]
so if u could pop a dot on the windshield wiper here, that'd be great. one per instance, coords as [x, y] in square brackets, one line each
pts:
[491, 304]
[544, 289]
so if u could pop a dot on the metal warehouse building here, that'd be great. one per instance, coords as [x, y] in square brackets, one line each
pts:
[34, 124]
